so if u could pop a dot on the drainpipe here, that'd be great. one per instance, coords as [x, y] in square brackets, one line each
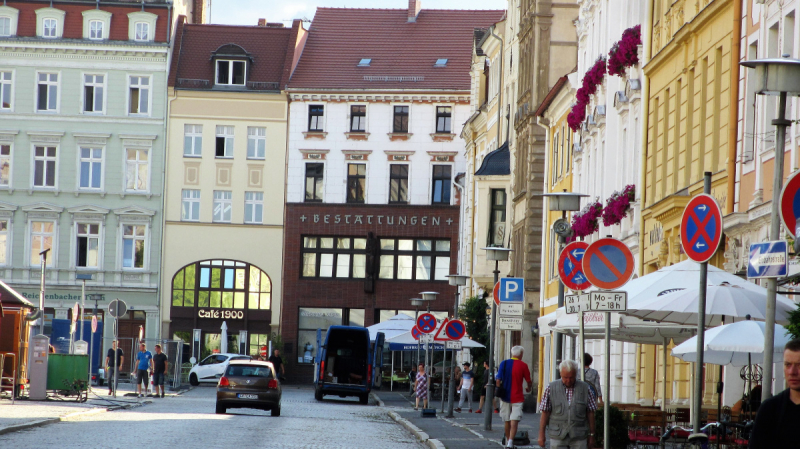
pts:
[733, 127]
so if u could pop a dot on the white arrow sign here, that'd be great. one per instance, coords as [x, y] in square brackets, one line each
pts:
[578, 252]
[769, 259]
[702, 207]
[700, 245]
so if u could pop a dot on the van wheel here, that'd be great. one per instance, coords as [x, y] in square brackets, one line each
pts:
[221, 410]
[364, 398]
[318, 394]
[276, 411]
[193, 380]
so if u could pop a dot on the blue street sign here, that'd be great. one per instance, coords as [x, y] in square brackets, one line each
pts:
[512, 290]
[768, 260]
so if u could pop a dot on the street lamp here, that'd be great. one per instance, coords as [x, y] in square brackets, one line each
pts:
[775, 76]
[456, 280]
[497, 254]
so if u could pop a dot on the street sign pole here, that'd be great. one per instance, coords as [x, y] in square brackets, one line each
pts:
[701, 322]
[607, 386]
[583, 343]
[559, 336]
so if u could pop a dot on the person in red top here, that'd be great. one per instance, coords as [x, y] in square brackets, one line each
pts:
[510, 375]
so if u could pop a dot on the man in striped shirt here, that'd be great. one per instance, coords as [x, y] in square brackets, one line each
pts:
[567, 410]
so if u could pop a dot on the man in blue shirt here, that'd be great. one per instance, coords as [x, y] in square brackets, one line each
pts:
[465, 387]
[144, 363]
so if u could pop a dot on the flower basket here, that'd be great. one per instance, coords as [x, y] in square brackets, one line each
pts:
[625, 52]
[591, 80]
[586, 221]
[618, 205]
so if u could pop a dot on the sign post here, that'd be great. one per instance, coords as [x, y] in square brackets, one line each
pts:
[454, 330]
[116, 309]
[570, 271]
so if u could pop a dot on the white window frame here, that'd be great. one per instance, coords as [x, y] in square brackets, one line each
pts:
[48, 83]
[137, 17]
[10, 158]
[255, 137]
[46, 159]
[75, 235]
[138, 163]
[122, 239]
[140, 27]
[190, 197]
[223, 131]
[8, 82]
[50, 21]
[230, 72]
[223, 198]
[95, 85]
[53, 247]
[350, 118]
[7, 234]
[45, 14]
[253, 200]
[96, 15]
[12, 14]
[9, 26]
[149, 87]
[194, 134]
[320, 120]
[93, 30]
[92, 160]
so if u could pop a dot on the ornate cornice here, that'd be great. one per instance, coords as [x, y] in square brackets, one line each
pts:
[379, 97]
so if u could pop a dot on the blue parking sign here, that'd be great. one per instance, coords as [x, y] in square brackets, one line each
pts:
[512, 290]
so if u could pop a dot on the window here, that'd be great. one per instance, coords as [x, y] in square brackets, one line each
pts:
[190, 205]
[258, 341]
[316, 114]
[441, 62]
[137, 170]
[5, 90]
[48, 92]
[497, 218]
[95, 29]
[443, 116]
[400, 119]
[314, 181]
[256, 142]
[134, 242]
[139, 95]
[42, 238]
[49, 28]
[91, 168]
[225, 284]
[356, 182]
[398, 183]
[224, 142]
[5, 165]
[231, 73]
[44, 166]
[254, 207]
[311, 319]
[441, 184]
[327, 257]
[3, 242]
[358, 118]
[421, 260]
[364, 62]
[87, 245]
[223, 203]
[5, 26]
[93, 93]
[142, 31]
[192, 140]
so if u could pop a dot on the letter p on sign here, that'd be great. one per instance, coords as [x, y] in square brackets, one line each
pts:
[512, 290]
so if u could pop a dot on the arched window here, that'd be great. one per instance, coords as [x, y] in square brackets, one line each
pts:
[222, 284]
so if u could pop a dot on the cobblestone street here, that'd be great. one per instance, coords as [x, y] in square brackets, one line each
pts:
[188, 421]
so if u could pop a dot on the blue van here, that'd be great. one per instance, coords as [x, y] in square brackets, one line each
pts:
[347, 363]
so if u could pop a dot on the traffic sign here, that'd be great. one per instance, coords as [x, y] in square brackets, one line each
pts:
[790, 203]
[455, 329]
[415, 332]
[426, 323]
[511, 309]
[426, 338]
[608, 301]
[453, 344]
[75, 312]
[701, 228]
[263, 351]
[496, 293]
[608, 264]
[576, 303]
[94, 323]
[508, 323]
[441, 335]
[768, 260]
[569, 266]
[512, 290]
[117, 308]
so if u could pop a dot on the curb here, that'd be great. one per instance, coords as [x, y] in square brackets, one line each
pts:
[423, 437]
[44, 422]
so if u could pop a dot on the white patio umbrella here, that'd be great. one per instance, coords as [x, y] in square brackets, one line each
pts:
[223, 343]
[394, 326]
[733, 344]
[623, 328]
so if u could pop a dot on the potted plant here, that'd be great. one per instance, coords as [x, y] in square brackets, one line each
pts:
[625, 52]
[586, 221]
[618, 205]
[591, 80]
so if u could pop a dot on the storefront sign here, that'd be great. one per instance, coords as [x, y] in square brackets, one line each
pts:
[221, 314]
[391, 220]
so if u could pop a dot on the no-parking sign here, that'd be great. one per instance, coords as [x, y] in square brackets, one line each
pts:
[608, 264]
[701, 228]
[426, 323]
[790, 203]
[570, 269]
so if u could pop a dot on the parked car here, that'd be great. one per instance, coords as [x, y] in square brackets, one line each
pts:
[249, 384]
[346, 364]
[210, 369]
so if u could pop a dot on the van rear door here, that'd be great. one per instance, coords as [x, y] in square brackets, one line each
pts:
[377, 357]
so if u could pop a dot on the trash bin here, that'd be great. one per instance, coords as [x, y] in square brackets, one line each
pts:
[67, 372]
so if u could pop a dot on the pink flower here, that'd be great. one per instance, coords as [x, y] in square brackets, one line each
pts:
[618, 205]
[625, 53]
[586, 221]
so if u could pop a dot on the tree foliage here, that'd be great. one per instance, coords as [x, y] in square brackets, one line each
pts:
[473, 314]
[794, 323]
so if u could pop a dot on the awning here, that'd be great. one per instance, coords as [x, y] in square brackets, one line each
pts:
[406, 342]
[12, 298]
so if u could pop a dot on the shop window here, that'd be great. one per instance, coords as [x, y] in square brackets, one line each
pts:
[329, 257]
[257, 341]
[421, 260]
[222, 284]
[310, 319]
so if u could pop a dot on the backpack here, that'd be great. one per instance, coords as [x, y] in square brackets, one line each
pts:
[592, 388]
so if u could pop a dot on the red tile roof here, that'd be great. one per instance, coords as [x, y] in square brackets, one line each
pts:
[340, 37]
[272, 51]
[548, 100]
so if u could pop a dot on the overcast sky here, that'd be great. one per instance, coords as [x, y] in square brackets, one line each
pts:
[247, 12]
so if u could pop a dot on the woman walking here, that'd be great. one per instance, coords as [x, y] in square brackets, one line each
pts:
[421, 386]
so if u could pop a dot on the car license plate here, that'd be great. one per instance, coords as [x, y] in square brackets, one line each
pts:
[247, 396]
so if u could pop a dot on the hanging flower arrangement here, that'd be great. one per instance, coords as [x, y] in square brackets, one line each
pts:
[591, 79]
[618, 205]
[586, 221]
[625, 52]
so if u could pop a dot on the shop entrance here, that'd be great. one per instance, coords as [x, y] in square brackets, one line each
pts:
[129, 324]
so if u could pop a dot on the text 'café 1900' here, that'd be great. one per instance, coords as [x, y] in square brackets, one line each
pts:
[360, 265]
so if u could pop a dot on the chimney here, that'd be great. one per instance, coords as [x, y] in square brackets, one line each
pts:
[413, 9]
[262, 22]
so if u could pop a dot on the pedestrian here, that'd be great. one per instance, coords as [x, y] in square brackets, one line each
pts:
[567, 410]
[160, 368]
[592, 377]
[777, 418]
[465, 387]
[484, 383]
[277, 363]
[110, 367]
[144, 363]
[421, 386]
[510, 375]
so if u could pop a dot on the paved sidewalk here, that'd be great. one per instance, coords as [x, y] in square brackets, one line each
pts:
[463, 431]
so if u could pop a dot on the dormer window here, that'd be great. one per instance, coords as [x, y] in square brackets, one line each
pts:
[50, 28]
[442, 62]
[95, 24]
[142, 31]
[49, 23]
[231, 73]
[5, 26]
[95, 29]
[365, 62]
[141, 26]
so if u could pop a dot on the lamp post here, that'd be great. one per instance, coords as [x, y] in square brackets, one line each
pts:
[456, 280]
[775, 76]
[497, 254]
[43, 262]
[427, 297]
[416, 303]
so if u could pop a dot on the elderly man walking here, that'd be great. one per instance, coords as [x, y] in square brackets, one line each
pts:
[567, 410]
[510, 375]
